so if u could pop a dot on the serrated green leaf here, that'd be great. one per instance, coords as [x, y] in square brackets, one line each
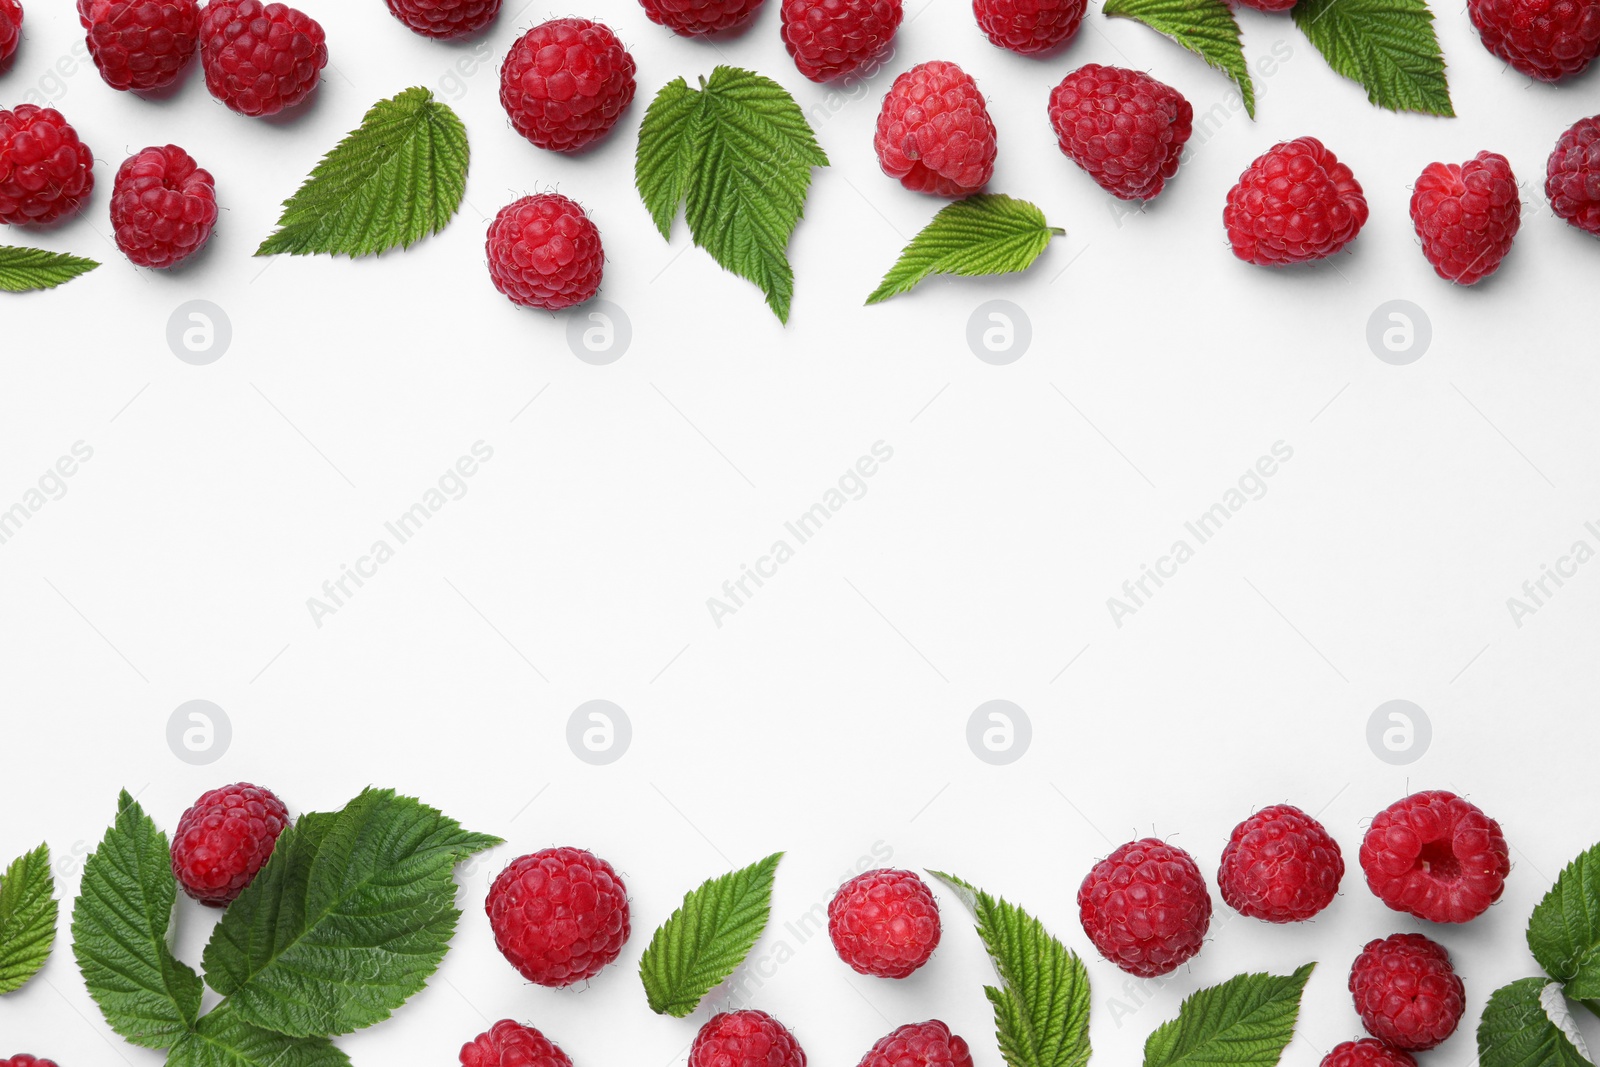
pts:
[222, 1039]
[984, 234]
[119, 934]
[1564, 930]
[738, 154]
[1518, 1030]
[398, 178]
[1246, 1021]
[1388, 46]
[349, 918]
[706, 939]
[1041, 1007]
[25, 270]
[1205, 27]
[28, 913]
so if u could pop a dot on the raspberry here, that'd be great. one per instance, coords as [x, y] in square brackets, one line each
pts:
[224, 839]
[1572, 177]
[1295, 203]
[1124, 128]
[929, 1044]
[1270, 6]
[22, 1059]
[141, 44]
[162, 207]
[696, 18]
[559, 916]
[934, 132]
[1406, 992]
[566, 82]
[831, 38]
[1467, 214]
[1544, 39]
[1436, 856]
[510, 1044]
[745, 1039]
[1368, 1052]
[884, 923]
[445, 20]
[45, 171]
[260, 59]
[10, 31]
[1028, 27]
[1280, 865]
[545, 253]
[1146, 907]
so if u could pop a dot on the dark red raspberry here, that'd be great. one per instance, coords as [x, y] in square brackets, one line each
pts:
[260, 58]
[566, 82]
[510, 1044]
[1270, 6]
[1406, 992]
[1467, 214]
[163, 207]
[831, 38]
[1436, 856]
[1544, 39]
[1368, 1052]
[10, 29]
[45, 171]
[934, 132]
[559, 916]
[544, 252]
[445, 20]
[1572, 177]
[141, 44]
[224, 839]
[884, 923]
[745, 1039]
[1295, 203]
[1146, 907]
[696, 18]
[1280, 865]
[929, 1044]
[1028, 27]
[1124, 128]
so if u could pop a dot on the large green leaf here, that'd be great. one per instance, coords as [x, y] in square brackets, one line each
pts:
[1205, 27]
[1245, 1022]
[222, 1039]
[1526, 1025]
[1564, 931]
[1387, 45]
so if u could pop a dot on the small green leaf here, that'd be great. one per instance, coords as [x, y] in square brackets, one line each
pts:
[222, 1039]
[984, 234]
[707, 938]
[24, 270]
[1526, 1024]
[27, 918]
[1245, 1022]
[1205, 27]
[1388, 46]
[389, 184]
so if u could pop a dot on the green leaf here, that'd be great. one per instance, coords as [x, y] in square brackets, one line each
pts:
[984, 234]
[1246, 1021]
[707, 938]
[119, 934]
[1205, 27]
[349, 918]
[1526, 1024]
[1564, 932]
[389, 184]
[1041, 1007]
[222, 1039]
[24, 270]
[27, 918]
[737, 153]
[1386, 45]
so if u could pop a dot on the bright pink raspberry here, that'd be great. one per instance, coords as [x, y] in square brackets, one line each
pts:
[884, 923]
[559, 916]
[141, 44]
[929, 1044]
[1146, 907]
[260, 59]
[1436, 856]
[698, 18]
[544, 252]
[1029, 27]
[831, 38]
[45, 171]
[1466, 215]
[1124, 128]
[163, 207]
[566, 82]
[745, 1039]
[1406, 992]
[1294, 204]
[445, 20]
[934, 132]
[224, 840]
[1572, 175]
[510, 1044]
[10, 30]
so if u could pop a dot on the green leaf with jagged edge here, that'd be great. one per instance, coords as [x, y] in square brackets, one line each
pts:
[1388, 46]
[1205, 27]
[737, 153]
[706, 939]
[222, 1039]
[26, 270]
[1041, 1007]
[119, 934]
[988, 233]
[1246, 1021]
[397, 179]
[349, 918]
[1564, 930]
[1526, 1024]
[28, 912]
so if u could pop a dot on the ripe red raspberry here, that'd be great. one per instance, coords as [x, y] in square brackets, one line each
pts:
[22, 1059]
[1295, 203]
[566, 82]
[224, 839]
[696, 18]
[1028, 27]
[1436, 856]
[1146, 907]
[163, 207]
[1281, 866]
[141, 44]
[445, 20]
[1467, 214]
[559, 916]
[1270, 6]
[929, 1044]
[1544, 39]
[1368, 1052]
[260, 59]
[1124, 128]
[745, 1039]
[545, 253]
[884, 923]
[10, 29]
[1572, 177]
[510, 1044]
[45, 171]
[934, 132]
[831, 38]
[1406, 992]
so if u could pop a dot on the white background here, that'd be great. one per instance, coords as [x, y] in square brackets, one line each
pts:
[829, 713]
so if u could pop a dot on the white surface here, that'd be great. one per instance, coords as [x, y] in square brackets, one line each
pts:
[829, 713]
